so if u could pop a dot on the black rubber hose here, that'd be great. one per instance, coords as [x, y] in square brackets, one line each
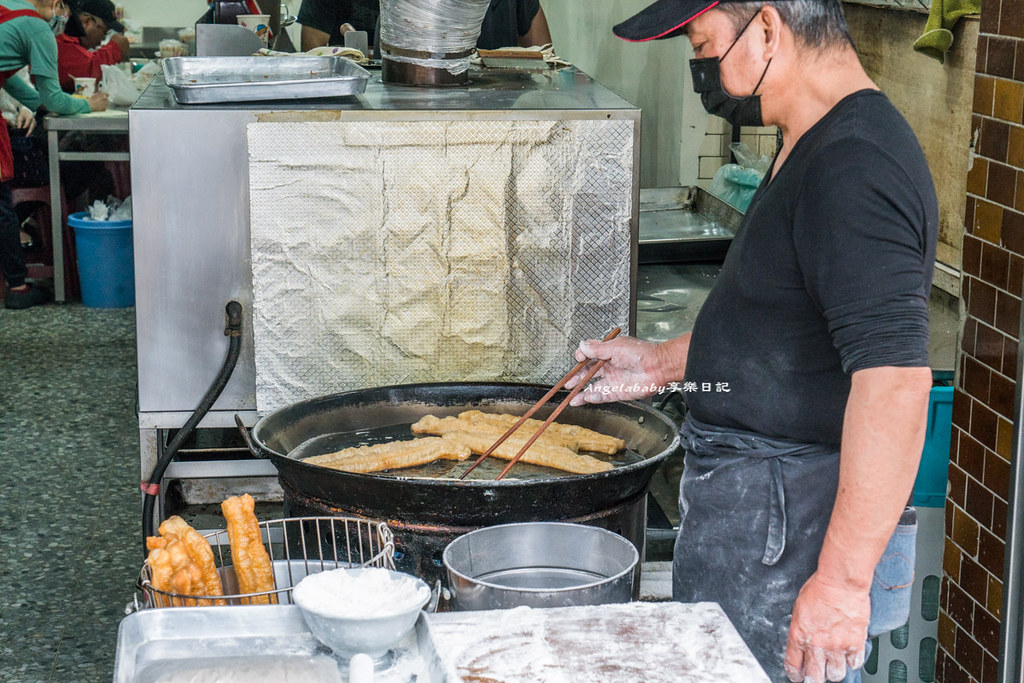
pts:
[233, 329]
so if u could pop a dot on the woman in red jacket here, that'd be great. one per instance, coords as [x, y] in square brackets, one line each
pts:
[80, 49]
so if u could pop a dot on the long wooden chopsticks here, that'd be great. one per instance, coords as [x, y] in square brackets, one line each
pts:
[536, 406]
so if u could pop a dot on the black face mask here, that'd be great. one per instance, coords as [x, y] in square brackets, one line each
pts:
[707, 82]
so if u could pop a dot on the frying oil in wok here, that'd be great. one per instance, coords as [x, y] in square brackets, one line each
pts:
[440, 469]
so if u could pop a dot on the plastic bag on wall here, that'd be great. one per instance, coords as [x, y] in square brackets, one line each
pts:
[736, 183]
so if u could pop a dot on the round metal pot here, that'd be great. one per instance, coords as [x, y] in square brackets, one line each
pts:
[539, 564]
[427, 514]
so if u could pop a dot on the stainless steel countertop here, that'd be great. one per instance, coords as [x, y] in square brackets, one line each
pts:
[489, 90]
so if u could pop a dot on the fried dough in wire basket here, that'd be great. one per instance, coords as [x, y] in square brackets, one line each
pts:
[295, 546]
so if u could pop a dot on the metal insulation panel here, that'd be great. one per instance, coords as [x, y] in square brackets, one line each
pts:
[390, 252]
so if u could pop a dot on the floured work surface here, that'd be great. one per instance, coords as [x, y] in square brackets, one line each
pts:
[652, 642]
[394, 252]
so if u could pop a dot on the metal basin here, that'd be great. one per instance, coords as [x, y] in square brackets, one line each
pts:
[539, 564]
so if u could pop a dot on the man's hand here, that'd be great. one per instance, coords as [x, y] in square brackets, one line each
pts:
[26, 119]
[98, 101]
[122, 44]
[828, 631]
[634, 368]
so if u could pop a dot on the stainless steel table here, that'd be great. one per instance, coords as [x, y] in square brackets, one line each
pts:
[111, 122]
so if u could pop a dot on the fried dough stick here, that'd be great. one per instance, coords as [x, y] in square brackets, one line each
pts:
[201, 554]
[160, 569]
[392, 455]
[429, 424]
[172, 570]
[252, 564]
[557, 457]
[581, 438]
[187, 579]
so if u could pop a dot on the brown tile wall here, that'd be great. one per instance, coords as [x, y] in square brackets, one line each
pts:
[993, 268]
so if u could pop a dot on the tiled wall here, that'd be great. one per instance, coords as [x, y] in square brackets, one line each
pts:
[993, 270]
[714, 151]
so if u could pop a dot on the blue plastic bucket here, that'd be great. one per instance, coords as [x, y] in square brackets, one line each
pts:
[932, 475]
[106, 263]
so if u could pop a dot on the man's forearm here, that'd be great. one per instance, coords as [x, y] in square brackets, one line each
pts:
[311, 37]
[538, 33]
[883, 433]
[670, 360]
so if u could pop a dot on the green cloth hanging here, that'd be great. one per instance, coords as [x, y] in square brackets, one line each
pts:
[937, 38]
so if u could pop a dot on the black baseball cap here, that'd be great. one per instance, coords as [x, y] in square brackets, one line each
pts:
[101, 9]
[664, 19]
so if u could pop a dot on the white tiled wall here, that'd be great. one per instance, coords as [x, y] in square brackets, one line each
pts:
[714, 150]
[760, 140]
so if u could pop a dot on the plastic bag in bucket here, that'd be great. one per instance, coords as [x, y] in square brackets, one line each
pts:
[106, 262]
[737, 183]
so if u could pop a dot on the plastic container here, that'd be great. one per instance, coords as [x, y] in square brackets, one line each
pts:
[106, 263]
[933, 473]
[907, 655]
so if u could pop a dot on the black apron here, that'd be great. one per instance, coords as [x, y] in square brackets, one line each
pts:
[753, 515]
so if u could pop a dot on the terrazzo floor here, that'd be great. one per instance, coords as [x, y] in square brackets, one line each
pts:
[69, 496]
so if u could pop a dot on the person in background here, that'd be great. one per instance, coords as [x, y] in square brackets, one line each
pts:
[23, 122]
[508, 23]
[806, 375]
[80, 49]
[27, 37]
[325, 22]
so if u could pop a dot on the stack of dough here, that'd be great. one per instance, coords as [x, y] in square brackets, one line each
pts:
[181, 563]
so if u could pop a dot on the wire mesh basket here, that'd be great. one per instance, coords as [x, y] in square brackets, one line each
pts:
[298, 546]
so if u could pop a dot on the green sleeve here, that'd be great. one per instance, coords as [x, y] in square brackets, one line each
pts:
[21, 90]
[42, 49]
[43, 63]
[58, 101]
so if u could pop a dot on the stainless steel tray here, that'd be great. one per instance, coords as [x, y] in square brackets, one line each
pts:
[196, 80]
[154, 643]
[685, 225]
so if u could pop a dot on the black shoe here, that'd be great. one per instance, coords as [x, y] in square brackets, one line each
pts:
[33, 296]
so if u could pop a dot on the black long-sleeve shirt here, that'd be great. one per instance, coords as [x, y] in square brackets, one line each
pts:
[830, 273]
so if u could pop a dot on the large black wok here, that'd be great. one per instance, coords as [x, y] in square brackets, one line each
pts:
[444, 508]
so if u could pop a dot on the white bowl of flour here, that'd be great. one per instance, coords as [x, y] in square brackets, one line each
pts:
[360, 610]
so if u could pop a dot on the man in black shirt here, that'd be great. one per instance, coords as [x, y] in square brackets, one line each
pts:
[322, 20]
[507, 23]
[806, 374]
